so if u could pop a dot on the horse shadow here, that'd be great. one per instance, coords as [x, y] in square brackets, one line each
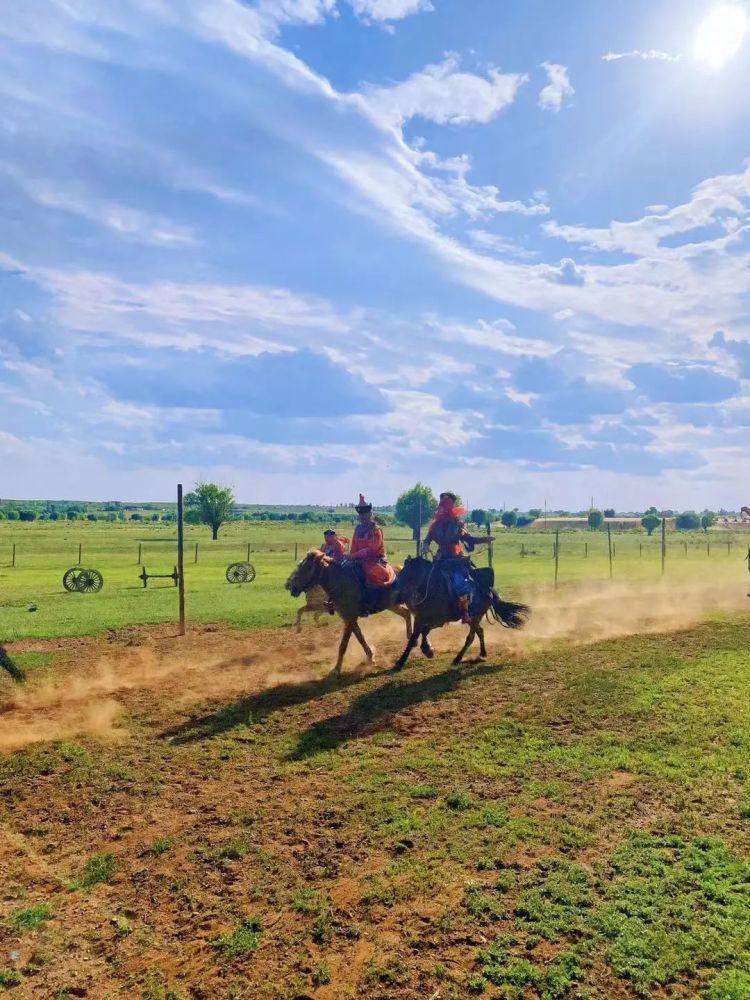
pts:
[369, 711]
[255, 707]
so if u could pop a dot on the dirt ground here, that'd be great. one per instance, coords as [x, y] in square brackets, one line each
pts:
[260, 829]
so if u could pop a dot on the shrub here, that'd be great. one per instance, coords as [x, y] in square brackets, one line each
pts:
[595, 519]
[687, 521]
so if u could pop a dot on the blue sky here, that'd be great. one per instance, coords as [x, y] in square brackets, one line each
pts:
[318, 247]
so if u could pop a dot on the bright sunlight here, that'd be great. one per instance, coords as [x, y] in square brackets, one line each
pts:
[719, 36]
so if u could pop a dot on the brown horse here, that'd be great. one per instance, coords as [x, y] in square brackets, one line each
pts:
[424, 588]
[342, 585]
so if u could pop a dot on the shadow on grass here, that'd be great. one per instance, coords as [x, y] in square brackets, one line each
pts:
[253, 708]
[7, 664]
[365, 713]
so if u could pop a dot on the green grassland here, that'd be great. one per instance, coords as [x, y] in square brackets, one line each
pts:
[573, 824]
[44, 550]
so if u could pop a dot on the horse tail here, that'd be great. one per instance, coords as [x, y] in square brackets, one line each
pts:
[15, 672]
[509, 615]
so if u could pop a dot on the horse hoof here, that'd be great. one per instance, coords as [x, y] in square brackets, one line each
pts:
[428, 651]
[397, 669]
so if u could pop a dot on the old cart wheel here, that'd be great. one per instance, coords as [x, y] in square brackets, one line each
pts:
[90, 581]
[242, 572]
[70, 580]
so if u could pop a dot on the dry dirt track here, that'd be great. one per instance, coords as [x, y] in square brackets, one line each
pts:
[269, 790]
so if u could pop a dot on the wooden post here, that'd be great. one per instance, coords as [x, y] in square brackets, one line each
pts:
[489, 545]
[196, 552]
[181, 558]
[663, 544]
[248, 551]
[609, 543]
[729, 548]
[557, 555]
[640, 550]
[685, 544]
[419, 527]
[585, 550]
[80, 553]
[708, 548]
[139, 553]
[523, 549]
[295, 551]
[614, 550]
[14, 554]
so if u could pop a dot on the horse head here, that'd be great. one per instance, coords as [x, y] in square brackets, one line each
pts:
[411, 578]
[308, 573]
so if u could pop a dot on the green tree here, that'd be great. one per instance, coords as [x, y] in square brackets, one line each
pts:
[708, 519]
[12, 515]
[609, 512]
[535, 512]
[509, 519]
[650, 522]
[415, 507]
[213, 503]
[595, 519]
[687, 521]
[478, 516]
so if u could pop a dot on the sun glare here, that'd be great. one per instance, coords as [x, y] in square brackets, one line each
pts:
[720, 34]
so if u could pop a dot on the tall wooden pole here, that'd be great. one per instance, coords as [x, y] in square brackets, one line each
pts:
[663, 544]
[419, 527]
[181, 558]
[489, 544]
[557, 555]
[609, 541]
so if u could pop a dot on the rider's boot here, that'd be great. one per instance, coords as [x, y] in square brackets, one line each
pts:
[463, 605]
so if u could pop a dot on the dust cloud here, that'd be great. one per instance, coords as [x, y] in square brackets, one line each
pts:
[209, 664]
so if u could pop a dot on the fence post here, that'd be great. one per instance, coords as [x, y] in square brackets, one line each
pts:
[181, 558]
[139, 553]
[557, 554]
[196, 552]
[248, 551]
[80, 552]
[685, 544]
[523, 549]
[295, 551]
[663, 544]
[489, 544]
[585, 550]
[609, 542]
[708, 548]
[640, 550]
[729, 548]
[14, 554]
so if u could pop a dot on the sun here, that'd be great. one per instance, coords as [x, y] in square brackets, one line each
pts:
[719, 36]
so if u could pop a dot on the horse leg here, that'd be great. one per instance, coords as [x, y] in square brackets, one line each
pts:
[347, 634]
[359, 635]
[300, 612]
[482, 647]
[406, 615]
[425, 646]
[401, 661]
[469, 640]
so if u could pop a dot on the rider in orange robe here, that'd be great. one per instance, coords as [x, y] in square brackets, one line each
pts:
[333, 546]
[368, 548]
[448, 532]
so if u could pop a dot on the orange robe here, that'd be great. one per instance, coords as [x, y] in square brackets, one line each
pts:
[368, 546]
[335, 549]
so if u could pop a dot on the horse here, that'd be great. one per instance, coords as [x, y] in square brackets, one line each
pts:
[315, 605]
[426, 591]
[342, 586]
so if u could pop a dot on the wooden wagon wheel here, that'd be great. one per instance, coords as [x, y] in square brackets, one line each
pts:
[70, 579]
[90, 581]
[242, 572]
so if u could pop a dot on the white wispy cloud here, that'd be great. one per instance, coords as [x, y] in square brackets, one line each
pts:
[648, 55]
[559, 87]
[445, 94]
[122, 219]
[389, 10]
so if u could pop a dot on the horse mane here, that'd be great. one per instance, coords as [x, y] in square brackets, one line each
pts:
[320, 557]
